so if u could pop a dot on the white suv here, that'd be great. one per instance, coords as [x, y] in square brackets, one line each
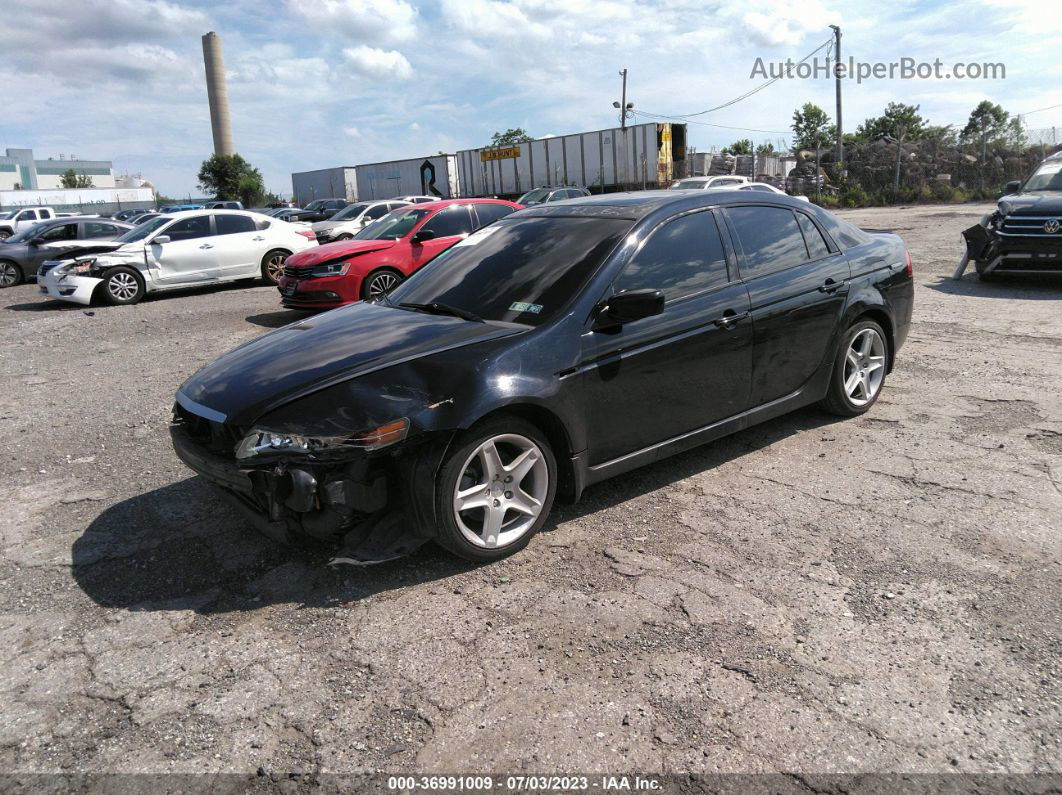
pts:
[353, 218]
[16, 220]
[177, 251]
[703, 183]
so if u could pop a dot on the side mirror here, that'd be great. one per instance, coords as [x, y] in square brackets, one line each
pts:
[630, 306]
[1012, 187]
[422, 235]
[160, 239]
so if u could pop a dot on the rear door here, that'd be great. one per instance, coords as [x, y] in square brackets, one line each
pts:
[489, 213]
[238, 245]
[448, 225]
[798, 286]
[663, 376]
[190, 256]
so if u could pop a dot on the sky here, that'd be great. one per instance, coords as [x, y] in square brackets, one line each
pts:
[320, 83]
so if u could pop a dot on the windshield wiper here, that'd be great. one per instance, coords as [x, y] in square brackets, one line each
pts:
[435, 308]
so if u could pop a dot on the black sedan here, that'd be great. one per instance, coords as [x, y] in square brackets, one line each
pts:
[548, 351]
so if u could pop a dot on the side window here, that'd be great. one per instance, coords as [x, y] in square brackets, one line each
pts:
[489, 213]
[59, 232]
[817, 247]
[680, 257]
[233, 224]
[379, 211]
[27, 215]
[770, 238]
[452, 221]
[189, 228]
[97, 229]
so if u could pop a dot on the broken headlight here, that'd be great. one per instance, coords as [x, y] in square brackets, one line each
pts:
[263, 442]
[81, 267]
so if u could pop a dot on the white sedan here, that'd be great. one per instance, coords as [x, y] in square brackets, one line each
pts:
[177, 251]
[760, 186]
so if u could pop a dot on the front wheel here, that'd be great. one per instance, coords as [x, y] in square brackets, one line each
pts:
[5, 234]
[858, 370]
[122, 286]
[273, 266]
[378, 283]
[495, 489]
[10, 274]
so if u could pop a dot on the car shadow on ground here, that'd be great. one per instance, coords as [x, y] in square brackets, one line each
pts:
[1030, 287]
[183, 547]
[278, 319]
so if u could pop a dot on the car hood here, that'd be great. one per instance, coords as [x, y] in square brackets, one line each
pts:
[333, 251]
[319, 352]
[109, 247]
[1049, 203]
[324, 226]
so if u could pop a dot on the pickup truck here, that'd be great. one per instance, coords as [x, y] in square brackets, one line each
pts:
[16, 220]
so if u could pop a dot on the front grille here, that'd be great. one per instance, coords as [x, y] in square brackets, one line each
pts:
[217, 437]
[45, 267]
[1029, 226]
[296, 273]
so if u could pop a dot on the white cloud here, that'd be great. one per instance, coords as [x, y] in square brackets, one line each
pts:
[379, 64]
[784, 22]
[375, 20]
[353, 132]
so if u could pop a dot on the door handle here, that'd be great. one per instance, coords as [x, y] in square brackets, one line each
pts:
[830, 286]
[257, 238]
[206, 245]
[729, 318]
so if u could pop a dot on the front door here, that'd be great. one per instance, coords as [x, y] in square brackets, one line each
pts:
[660, 377]
[798, 289]
[189, 256]
[448, 225]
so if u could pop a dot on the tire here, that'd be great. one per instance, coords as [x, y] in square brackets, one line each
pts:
[5, 234]
[273, 265]
[343, 237]
[379, 282]
[859, 370]
[497, 519]
[982, 274]
[122, 286]
[10, 273]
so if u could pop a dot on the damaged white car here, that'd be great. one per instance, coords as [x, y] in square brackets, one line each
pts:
[178, 251]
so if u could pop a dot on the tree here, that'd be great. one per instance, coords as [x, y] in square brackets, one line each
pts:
[764, 150]
[898, 120]
[987, 118]
[741, 147]
[71, 179]
[812, 127]
[514, 135]
[229, 177]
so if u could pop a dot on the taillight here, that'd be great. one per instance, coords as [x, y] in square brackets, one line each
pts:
[309, 235]
[910, 270]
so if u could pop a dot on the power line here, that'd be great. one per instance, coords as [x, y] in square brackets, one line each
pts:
[1049, 107]
[746, 95]
[709, 124]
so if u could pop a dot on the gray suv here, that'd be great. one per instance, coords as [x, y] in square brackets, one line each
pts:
[22, 253]
[544, 195]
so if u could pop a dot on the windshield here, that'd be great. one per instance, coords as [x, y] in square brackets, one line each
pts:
[6, 215]
[142, 231]
[689, 184]
[519, 270]
[393, 226]
[1047, 177]
[348, 212]
[315, 205]
[536, 196]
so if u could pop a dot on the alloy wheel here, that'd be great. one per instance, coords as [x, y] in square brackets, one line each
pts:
[275, 267]
[123, 286]
[8, 274]
[381, 283]
[864, 367]
[501, 491]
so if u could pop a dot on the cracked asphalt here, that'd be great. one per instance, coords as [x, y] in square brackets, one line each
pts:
[809, 596]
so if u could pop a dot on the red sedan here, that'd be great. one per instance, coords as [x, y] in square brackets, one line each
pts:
[384, 253]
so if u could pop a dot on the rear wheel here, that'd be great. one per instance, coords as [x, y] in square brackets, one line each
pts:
[379, 282]
[495, 489]
[10, 273]
[858, 370]
[122, 286]
[343, 237]
[273, 266]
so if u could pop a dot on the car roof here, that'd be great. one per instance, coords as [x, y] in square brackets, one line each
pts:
[635, 205]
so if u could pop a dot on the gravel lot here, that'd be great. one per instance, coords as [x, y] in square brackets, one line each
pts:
[809, 596]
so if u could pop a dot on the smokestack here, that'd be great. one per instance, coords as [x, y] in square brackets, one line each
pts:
[217, 94]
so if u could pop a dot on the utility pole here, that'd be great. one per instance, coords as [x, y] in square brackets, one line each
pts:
[625, 107]
[837, 80]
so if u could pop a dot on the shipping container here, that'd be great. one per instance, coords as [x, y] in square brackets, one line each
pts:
[324, 183]
[417, 176]
[639, 156]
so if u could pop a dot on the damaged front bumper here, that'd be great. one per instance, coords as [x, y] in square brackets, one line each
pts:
[374, 507]
[54, 283]
[993, 249]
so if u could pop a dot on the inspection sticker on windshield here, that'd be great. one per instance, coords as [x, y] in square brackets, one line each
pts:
[520, 306]
[477, 237]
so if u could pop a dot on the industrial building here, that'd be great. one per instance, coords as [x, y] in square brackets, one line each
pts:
[20, 171]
